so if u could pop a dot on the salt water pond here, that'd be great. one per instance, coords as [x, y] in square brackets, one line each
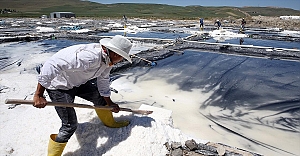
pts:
[248, 102]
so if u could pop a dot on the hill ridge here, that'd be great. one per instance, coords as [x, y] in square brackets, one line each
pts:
[36, 8]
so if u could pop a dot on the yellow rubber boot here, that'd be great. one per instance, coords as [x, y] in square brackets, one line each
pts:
[107, 119]
[55, 148]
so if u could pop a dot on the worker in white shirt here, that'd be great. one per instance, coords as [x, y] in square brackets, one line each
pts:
[81, 70]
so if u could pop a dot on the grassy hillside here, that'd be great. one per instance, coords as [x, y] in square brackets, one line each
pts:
[269, 11]
[36, 8]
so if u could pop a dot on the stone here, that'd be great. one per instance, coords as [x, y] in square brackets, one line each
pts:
[191, 144]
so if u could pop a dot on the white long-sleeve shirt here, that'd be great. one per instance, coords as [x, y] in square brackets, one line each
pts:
[75, 65]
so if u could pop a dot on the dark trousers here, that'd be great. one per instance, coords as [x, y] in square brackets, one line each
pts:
[87, 91]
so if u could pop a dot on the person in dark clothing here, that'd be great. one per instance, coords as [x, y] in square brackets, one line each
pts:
[218, 24]
[125, 21]
[243, 24]
[201, 23]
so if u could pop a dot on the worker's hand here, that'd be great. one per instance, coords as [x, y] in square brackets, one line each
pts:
[116, 107]
[39, 101]
[108, 101]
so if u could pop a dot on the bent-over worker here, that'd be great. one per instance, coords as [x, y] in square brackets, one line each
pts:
[81, 70]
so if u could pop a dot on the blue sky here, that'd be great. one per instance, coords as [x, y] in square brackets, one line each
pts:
[294, 4]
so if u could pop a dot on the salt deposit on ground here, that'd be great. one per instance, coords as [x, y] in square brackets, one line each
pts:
[45, 29]
[222, 35]
[25, 130]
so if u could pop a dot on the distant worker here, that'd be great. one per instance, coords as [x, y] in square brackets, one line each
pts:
[218, 24]
[125, 20]
[201, 23]
[243, 24]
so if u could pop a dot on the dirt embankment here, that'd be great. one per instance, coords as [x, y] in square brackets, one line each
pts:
[274, 22]
[263, 22]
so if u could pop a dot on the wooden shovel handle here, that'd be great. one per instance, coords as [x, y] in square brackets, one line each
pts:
[61, 104]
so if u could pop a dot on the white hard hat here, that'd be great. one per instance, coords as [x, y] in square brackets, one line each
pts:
[118, 44]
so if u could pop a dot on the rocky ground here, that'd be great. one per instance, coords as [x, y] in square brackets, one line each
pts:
[262, 22]
[192, 148]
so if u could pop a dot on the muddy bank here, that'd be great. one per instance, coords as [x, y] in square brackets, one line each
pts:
[261, 22]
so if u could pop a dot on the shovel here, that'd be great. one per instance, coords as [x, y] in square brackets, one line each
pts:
[61, 104]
